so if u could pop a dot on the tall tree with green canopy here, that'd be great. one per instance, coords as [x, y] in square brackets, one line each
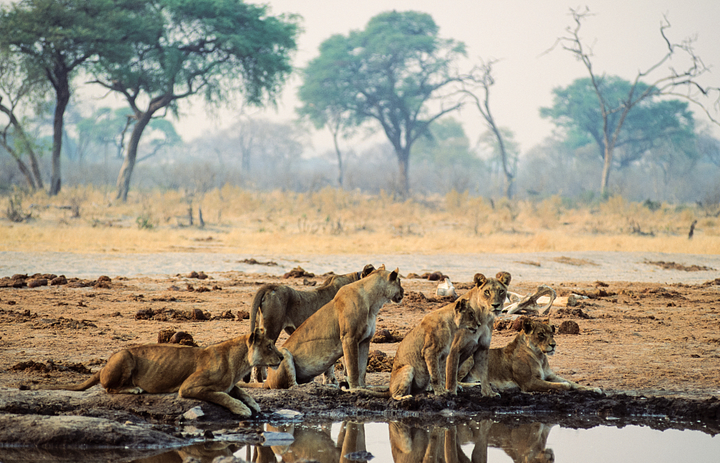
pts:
[213, 48]
[59, 37]
[397, 72]
[614, 104]
[650, 123]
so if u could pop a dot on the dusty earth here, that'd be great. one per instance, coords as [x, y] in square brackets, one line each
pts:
[654, 349]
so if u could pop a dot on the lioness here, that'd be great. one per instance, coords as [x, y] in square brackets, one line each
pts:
[343, 326]
[523, 363]
[208, 373]
[487, 298]
[424, 355]
[282, 307]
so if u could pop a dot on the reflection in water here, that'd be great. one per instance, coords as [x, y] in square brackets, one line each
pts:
[408, 444]
[461, 441]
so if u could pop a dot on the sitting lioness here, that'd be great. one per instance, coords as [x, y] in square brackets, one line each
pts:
[523, 363]
[208, 373]
[487, 298]
[343, 326]
[282, 307]
[425, 355]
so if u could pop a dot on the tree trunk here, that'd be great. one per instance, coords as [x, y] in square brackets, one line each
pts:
[404, 180]
[23, 168]
[63, 96]
[123, 181]
[339, 157]
[607, 163]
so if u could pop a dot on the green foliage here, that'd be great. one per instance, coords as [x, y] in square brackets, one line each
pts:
[445, 142]
[386, 73]
[649, 124]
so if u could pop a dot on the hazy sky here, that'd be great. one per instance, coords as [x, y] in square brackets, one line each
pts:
[624, 35]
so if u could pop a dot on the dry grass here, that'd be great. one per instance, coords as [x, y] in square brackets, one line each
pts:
[340, 222]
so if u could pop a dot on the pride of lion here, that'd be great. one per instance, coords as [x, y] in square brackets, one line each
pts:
[447, 351]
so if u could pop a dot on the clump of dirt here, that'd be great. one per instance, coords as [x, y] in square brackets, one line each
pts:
[383, 336]
[298, 272]
[569, 327]
[674, 266]
[252, 261]
[32, 366]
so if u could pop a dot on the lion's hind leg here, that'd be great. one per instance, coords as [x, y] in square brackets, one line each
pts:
[401, 382]
[117, 375]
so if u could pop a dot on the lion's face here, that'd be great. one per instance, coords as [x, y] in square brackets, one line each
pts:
[491, 292]
[465, 317]
[262, 350]
[540, 335]
[391, 287]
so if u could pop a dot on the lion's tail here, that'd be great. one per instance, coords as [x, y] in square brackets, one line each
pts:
[93, 380]
[256, 303]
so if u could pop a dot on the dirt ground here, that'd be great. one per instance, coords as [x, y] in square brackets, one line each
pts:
[654, 349]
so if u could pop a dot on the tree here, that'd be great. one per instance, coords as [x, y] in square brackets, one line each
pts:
[59, 37]
[650, 123]
[614, 112]
[18, 85]
[445, 142]
[396, 72]
[323, 96]
[481, 79]
[213, 48]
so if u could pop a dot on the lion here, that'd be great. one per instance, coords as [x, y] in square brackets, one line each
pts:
[282, 307]
[343, 326]
[424, 355]
[523, 363]
[487, 298]
[208, 373]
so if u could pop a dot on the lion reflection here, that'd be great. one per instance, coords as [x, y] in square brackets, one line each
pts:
[315, 443]
[524, 443]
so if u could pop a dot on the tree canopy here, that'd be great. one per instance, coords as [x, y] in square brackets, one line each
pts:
[212, 48]
[59, 37]
[649, 124]
[388, 73]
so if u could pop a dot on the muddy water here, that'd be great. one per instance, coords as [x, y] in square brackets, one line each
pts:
[547, 267]
[459, 441]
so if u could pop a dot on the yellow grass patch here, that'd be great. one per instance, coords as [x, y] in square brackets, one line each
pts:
[340, 222]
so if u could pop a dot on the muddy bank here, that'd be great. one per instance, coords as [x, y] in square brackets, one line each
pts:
[58, 419]
[652, 347]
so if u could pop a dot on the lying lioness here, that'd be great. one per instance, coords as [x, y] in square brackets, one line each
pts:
[523, 363]
[343, 326]
[208, 373]
[426, 354]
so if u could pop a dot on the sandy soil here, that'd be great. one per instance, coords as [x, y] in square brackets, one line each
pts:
[653, 348]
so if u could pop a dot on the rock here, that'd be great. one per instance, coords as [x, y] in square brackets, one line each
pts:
[569, 327]
[194, 413]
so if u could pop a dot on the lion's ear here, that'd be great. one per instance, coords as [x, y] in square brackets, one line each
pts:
[527, 325]
[479, 279]
[367, 270]
[256, 335]
[503, 277]
[394, 274]
[461, 306]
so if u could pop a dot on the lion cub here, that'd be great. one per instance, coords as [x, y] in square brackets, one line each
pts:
[430, 353]
[208, 373]
[523, 363]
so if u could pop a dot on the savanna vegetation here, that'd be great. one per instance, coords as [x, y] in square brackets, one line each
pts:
[129, 182]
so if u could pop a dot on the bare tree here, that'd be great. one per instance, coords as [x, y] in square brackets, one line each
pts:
[17, 84]
[675, 82]
[480, 80]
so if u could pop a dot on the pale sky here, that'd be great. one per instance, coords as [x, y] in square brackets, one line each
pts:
[624, 34]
